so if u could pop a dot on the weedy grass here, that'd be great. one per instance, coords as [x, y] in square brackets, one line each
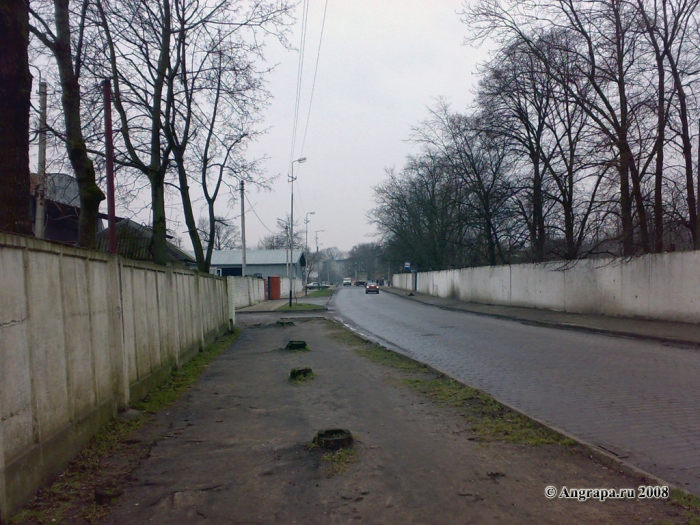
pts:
[182, 378]
[300, 307]
[376, 353]
[345, 337]
[690, 503]
[489, 420]
[386, 357]
[70, 496]
[302, 379]
[325, 292]
[339, 459]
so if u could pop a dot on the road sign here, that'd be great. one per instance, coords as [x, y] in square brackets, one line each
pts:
[407, 266]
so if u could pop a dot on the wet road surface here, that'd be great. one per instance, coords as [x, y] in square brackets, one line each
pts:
[638, 400]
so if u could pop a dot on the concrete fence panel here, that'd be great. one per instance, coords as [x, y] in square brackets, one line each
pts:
[675, 292]
[490, 284]
[656, 286]
[636, 279]
[402, 281]
[247, 291]
[297, 286]
[583, 287]
[82, 335]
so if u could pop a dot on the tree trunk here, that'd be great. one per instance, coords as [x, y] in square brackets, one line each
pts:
[159, 248]
[659, 171]
[628, 168]
[212, 230]
[537, 210]
[202, 264]
[638, 197]
[15, 93]
[687, 152]
[626, 212]
[157, 173]
[90, 193]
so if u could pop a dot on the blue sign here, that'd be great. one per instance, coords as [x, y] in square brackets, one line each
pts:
[407, 267]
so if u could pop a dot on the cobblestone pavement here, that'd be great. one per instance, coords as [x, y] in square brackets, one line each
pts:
[636, 399]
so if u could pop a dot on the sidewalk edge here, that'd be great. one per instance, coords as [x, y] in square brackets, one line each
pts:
[605, 458]
[559, 326]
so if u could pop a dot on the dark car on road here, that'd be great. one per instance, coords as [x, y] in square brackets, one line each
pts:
[371, 287]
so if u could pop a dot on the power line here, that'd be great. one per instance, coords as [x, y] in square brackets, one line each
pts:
[313, 84]
[300, 74]
[252, 208]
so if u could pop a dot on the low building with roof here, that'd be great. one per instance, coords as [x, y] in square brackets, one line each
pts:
[261, 263]
[62, 207]
[135, 241]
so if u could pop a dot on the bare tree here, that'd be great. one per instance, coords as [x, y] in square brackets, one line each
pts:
[64, 38]
[227, 235]
[280, 240]
[605, 41]
[182, 69]
[517, 96]
[678, 24]
[213, 100]
[365, 257]
[137, 37]
[480, 161]
[554, 137]
[419, 213]
[15, 94]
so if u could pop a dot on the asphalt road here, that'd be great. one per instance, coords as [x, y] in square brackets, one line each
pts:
[638, 400]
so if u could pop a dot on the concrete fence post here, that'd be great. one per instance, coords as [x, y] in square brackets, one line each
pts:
[231, 293]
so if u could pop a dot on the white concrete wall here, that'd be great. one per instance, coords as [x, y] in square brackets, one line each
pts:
[402, 280]
[656, 286]
[297, 286]
[247, 290]
[83, 334]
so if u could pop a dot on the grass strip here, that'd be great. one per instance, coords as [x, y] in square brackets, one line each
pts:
[489, 419]
[302, 379]
[182, 378]
[689, 503]
[339, 460]
[301, 307]
[71, 496]
[325, 292]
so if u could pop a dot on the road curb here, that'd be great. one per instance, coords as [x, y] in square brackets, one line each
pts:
[607, 459]
[559, 325]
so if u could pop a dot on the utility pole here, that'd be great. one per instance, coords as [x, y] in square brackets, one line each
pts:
[243, 225]
[697, 199]
[318, 261]
[306, 251]
[39, 216]
[109, 164]
[291, 227]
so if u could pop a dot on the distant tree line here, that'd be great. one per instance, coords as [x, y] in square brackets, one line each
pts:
[580, 142]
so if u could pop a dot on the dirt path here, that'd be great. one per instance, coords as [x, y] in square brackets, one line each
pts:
[236, 451]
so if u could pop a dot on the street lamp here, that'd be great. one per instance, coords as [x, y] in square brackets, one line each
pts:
[291, 225]
[317, 259]
[306, 250]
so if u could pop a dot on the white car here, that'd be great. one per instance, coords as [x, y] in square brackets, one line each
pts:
[347, 281]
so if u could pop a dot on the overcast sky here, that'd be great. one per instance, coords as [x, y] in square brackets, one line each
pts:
[382, 64]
